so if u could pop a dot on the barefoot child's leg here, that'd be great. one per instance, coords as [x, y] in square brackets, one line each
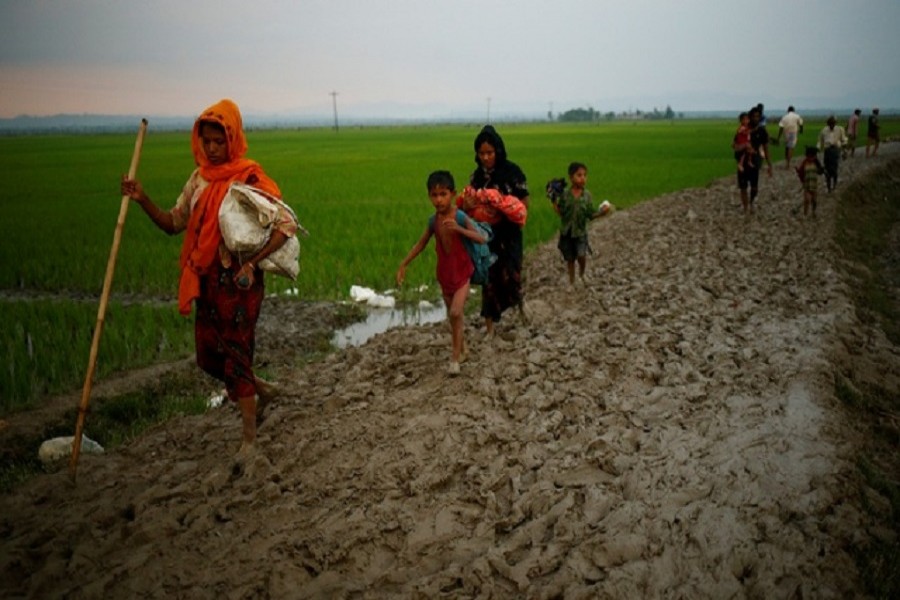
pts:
[456, 305]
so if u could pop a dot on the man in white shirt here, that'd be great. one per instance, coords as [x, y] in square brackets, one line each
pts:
[791, 125]
[831, 139]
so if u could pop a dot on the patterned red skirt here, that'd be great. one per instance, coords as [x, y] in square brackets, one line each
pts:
[225, 328]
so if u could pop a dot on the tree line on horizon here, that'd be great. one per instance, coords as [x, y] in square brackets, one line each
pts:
[589, 115]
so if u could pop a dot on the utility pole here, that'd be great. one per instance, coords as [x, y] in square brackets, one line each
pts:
[488, 110]
[334, 104]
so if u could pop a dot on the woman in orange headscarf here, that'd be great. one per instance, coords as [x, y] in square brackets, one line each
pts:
[227, 292]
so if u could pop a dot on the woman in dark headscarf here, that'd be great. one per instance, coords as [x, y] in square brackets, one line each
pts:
[495, 171]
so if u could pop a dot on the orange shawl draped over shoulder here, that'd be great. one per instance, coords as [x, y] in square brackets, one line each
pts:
[202, 236]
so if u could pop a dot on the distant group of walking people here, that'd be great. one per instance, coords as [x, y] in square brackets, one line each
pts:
[751, 140]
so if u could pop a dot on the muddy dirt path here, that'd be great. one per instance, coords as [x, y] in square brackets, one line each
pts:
[290, 332]
[668, 429]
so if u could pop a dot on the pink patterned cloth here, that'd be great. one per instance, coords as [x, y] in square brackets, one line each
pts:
[490, 206]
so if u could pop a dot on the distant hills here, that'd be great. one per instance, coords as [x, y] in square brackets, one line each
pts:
[90, 123]
[86, 124]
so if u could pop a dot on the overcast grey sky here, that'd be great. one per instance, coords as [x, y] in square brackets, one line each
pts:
[433, 58]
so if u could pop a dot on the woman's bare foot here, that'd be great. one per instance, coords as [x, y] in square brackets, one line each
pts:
[246, 450]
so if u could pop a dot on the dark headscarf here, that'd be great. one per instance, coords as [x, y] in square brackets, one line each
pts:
[506, 176]
[489, 134]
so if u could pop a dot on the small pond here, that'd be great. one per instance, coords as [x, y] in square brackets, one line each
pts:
[380, 320]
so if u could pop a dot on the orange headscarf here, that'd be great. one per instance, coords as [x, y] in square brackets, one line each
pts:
[202, 236]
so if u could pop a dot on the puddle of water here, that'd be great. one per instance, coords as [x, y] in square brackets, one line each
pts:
[380, 320]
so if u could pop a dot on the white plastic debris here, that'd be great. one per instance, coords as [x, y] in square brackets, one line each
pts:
[216, 399]
[371, 297]
[361, 294]
[379, 301]
[61, 447]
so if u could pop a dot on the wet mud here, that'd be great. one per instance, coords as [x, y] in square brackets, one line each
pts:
[667, 428]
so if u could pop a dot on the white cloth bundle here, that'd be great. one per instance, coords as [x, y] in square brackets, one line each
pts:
[246, 218]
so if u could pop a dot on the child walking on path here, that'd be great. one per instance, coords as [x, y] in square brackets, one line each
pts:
[809, 171]
[454, 266]
[575, 208]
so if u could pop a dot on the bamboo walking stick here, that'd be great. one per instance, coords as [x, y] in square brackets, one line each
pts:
[104, 299]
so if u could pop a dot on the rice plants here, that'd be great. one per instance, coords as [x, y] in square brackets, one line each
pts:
[361, 193]
[44, 344]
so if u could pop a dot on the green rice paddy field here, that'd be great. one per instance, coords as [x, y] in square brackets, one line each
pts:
[360, 192]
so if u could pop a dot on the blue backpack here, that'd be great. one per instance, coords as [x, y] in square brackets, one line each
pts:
[481, 255]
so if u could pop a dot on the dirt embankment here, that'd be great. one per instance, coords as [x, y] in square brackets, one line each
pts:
[668, 429]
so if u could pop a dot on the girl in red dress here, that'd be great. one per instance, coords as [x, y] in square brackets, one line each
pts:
[454, 267]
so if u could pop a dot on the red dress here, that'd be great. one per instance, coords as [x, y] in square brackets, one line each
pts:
[454, 268]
